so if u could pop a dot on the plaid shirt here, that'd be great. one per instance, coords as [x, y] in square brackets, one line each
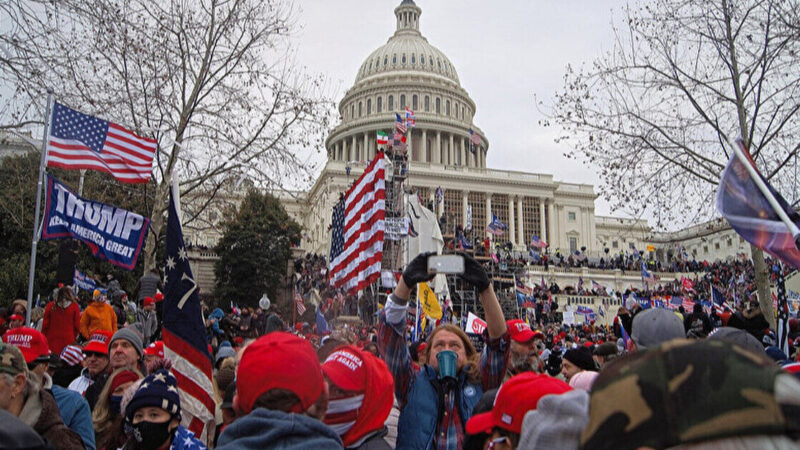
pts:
[394, 348]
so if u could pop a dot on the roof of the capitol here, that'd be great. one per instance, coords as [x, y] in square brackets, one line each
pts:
[420, 56]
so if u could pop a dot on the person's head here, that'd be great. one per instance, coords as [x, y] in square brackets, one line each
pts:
[65, 296]
[108, 402]
[583, 380]
[372, 348]
[520, 394]
[451, 337]
[125, 348]
[576, 360]
[269, 372]
[95, 353]
[361, 393]
[34, 347]
[738, 337]
[148, 304]
[154, 411]
[604, 353]
[19, 307]
[14, 376]
[16, 321]
[153, 352]
[557, 421]
[695, 393]
[655, 326]
[523, 352]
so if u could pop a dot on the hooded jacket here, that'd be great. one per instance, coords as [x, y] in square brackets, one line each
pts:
[61, 325]
[41, 413]
[98, 316]
[264, 428]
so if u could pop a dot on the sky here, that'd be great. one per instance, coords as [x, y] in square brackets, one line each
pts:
[508, 54]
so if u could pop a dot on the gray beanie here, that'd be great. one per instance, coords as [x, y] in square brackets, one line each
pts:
[225, 352]
[130, 335]
[557, 422]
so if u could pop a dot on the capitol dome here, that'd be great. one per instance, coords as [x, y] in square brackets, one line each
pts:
[409, 72]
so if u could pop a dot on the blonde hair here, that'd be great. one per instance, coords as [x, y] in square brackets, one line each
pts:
[473, 357]
[102, 419]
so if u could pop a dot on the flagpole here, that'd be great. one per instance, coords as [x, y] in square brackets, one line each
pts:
[739, 151]
[514, 277]
[36, 228]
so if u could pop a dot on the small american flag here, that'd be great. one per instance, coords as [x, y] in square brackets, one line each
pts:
[400, 125]
[357, 230]
[298, 302]
[474, 138]
[81, 141]
[410, 118]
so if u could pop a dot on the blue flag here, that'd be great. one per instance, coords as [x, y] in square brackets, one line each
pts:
[322, 324]
[184, 329]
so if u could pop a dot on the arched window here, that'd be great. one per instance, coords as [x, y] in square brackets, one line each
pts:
[403, 59]
[403, 103]
[391, 103]
[380, 104]
[422, 59]
[463, 113]
[394, 59]
[438, 105]
[447, 108]
[414, 102]
[360, 105]
[439, 63]
[427, 103]
[385, 60]
[369, 106]
[413, 58]
[352, 111]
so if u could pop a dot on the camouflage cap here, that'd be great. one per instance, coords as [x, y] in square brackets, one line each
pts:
[684, 392]
[11, 360]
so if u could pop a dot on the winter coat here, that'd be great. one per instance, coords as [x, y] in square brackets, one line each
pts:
[148, 284]
[265, 428]
[76, 414]
[146, 324]
[61, 325]
[98, 316]
[41, 413]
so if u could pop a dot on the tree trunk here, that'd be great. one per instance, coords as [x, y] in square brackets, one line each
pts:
[762, 285]
[156, 224]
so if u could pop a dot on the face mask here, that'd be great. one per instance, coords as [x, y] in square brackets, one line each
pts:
[151, 435]
[114, 403]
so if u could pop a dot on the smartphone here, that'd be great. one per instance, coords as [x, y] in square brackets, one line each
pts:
[450, 264]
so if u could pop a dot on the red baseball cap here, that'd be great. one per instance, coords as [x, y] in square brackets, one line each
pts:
[345, 368]
[16, 317]
[516, 397]
[279, 360]
[148, 301]
[159, 297]
[155, 349]
[519, 331]
[98, 342]
[31, 342]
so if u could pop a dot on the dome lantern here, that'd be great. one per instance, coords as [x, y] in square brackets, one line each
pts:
[407, 14]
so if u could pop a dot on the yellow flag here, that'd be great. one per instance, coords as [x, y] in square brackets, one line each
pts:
[427, 300]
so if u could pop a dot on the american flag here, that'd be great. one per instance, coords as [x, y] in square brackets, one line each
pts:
[357, 230]
[537, 243]
[598, 287]
[298, 302]
[184, 330]
[474, 138]
[399, 142]
[80, 141]
[410, 118]
[647, 277]
[400, 125]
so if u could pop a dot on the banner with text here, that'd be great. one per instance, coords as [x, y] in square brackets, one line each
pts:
[111, 233]
[82, 281]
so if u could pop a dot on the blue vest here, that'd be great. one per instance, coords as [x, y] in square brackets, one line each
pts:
[416, 428]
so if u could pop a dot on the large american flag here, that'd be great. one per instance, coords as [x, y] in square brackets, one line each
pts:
[80, 141]
[184, 330]
[357, 230]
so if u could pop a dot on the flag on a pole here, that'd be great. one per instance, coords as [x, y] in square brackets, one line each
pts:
[400, 124]
[439, 195]
[357, 230]
[474, 140]
[184, 330]
[718, 299]
[411, 120]
[427, 300]
[81, 141]
[496, 227]
[468, 220]
[399, 142]
[647, 277]
[598, 287]
[750, 212]
[524, 289]
[463, 242]
[299, 304]
[537, 243]
[383, 138]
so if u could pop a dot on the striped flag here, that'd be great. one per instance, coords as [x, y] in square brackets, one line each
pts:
[357, 230]
[298, 303]
[400, 125]
[80, 141]
[383, 138]
[184, 330]
[410, 118]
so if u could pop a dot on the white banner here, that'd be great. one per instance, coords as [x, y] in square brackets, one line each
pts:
[395, 228]
[568, 318]
[475, 325]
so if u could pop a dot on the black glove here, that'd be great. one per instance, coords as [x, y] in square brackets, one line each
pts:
[474, 273]
[417, 270]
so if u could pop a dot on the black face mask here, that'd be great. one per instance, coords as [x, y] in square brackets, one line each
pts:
[151, 435]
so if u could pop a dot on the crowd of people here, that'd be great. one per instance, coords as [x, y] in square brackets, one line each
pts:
[96, 376]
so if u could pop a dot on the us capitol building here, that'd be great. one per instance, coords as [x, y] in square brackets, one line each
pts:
[409, 71]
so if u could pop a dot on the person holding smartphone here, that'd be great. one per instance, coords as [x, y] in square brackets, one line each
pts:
[437, 397]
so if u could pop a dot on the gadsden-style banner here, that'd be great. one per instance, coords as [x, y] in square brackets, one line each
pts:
[111, 233]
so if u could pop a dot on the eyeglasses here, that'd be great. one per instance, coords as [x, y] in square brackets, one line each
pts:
[91, 354]
[498, 441]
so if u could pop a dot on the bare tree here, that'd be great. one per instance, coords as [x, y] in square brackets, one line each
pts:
[213, 80]
[654, 113]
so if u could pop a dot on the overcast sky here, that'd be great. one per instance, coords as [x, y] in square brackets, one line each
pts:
[506, 52]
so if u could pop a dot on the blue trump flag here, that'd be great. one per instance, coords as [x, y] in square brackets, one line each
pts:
[184, 328]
